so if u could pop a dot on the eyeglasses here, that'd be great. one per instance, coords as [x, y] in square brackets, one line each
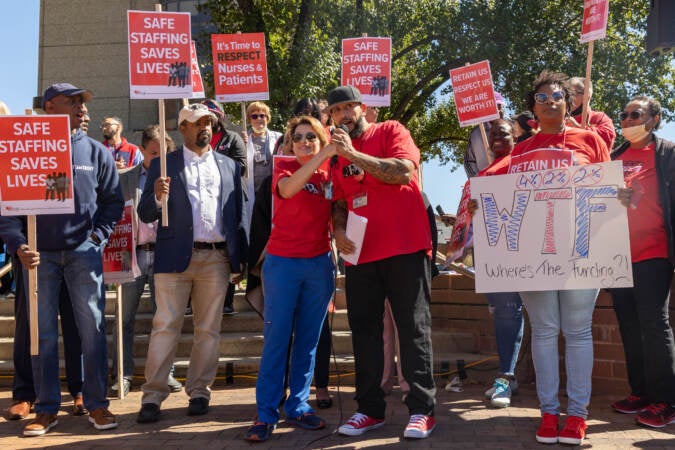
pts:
[557, 96]
[634, 115]
[258, 116]
[311, 137]
[107, 125]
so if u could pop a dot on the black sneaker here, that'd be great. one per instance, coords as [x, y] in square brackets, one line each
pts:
[657, 415]
[228, 310]
[198, 406]
[149, 413]
[259, 431]
[631, 404]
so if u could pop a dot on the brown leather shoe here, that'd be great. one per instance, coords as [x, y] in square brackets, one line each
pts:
[19, 410]
[102, 419]
[42, 424]
[78, 406]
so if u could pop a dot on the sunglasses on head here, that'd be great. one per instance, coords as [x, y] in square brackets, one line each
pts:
[634, 115]
[311, 137]
[556, 96]
[258, 116]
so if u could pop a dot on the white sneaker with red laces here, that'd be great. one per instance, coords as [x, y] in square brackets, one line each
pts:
[359, 424]
[420, 426]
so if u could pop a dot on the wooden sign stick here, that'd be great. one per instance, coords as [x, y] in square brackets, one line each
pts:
[587, 84]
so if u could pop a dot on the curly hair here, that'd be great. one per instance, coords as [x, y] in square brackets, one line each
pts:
[547, 78]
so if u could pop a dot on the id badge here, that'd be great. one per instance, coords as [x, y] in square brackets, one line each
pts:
[360, 200]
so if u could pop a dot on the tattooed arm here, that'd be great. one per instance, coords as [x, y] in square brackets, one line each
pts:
[339, 214]
[387, 170]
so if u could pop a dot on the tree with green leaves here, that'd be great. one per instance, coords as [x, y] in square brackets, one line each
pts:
[520, 38]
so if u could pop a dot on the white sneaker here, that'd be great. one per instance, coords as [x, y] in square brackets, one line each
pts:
[359, 424]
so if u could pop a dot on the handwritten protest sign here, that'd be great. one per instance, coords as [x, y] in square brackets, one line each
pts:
[552, 229]
[119, 255]
[197, 83]
[460, 230]
[159, 54]
[366, 65]
[35, 157]
[474, 93]
[594, 24]
[240, 67]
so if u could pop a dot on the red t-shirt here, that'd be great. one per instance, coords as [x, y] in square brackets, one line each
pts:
[602, 125]
[300, 223]
[573, 147]
[646, 226]
[397, 219]
[498, 167]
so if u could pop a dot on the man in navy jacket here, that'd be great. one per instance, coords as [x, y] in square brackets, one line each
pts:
[202, 248]
[69, 250]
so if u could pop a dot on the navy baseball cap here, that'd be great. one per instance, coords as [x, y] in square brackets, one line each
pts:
[66, 89]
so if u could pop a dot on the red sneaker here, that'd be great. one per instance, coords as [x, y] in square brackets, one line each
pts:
[548, 429]
[573, 432]
[631, 404]
[657, 415]
[420, 426]
[359, 424]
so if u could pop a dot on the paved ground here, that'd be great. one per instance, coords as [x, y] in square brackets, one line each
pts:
[463, 421]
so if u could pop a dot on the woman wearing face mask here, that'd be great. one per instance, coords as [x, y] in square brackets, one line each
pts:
[642, 311]
[298, 279]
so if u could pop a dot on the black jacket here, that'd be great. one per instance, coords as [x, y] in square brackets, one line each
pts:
[665, 174]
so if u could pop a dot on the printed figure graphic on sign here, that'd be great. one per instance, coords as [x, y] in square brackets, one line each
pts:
[50, 187]
[62, 182]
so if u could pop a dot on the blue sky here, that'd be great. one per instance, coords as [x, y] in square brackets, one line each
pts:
[19, 26]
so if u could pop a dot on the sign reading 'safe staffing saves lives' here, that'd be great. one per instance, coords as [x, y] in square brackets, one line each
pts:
[36, 176]
[159, 55]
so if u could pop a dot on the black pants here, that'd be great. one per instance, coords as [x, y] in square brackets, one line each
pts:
[642, 312]
[322, 363]
[406, 281]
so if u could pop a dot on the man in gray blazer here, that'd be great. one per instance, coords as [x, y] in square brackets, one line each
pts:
[203, 247]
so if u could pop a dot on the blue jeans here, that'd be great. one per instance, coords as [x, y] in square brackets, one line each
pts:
[572, 312]
[297, 292]
[22, 387]
[131, 296]
[508, 315]
[81, 269]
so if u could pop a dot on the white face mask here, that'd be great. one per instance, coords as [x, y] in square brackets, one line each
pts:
[636, 133]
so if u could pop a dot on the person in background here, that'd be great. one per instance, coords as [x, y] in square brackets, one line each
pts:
[298, 280]
[597, 121]
[230, 144]
[371, 114]
[132, 182]
[325, 116]
[643, 310]
[376, 177]
[260, 143]
[124, 153]
[506, 307]
[524, 126]
[569, 311]
[196, 255]
[69, 251]
[476, 155]
[84, 126]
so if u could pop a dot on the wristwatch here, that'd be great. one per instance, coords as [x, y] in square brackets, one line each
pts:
[94, 237]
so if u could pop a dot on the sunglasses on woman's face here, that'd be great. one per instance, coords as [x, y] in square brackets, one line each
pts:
[311, 137]
[556, 96]
[634, 115]
[258, 116]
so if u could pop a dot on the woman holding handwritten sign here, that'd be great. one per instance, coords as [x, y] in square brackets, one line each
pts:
[558, 146]
[642, 311]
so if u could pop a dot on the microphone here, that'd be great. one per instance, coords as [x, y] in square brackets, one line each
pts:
[334, 159]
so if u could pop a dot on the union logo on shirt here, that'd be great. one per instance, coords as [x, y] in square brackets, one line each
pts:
[311, 188]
